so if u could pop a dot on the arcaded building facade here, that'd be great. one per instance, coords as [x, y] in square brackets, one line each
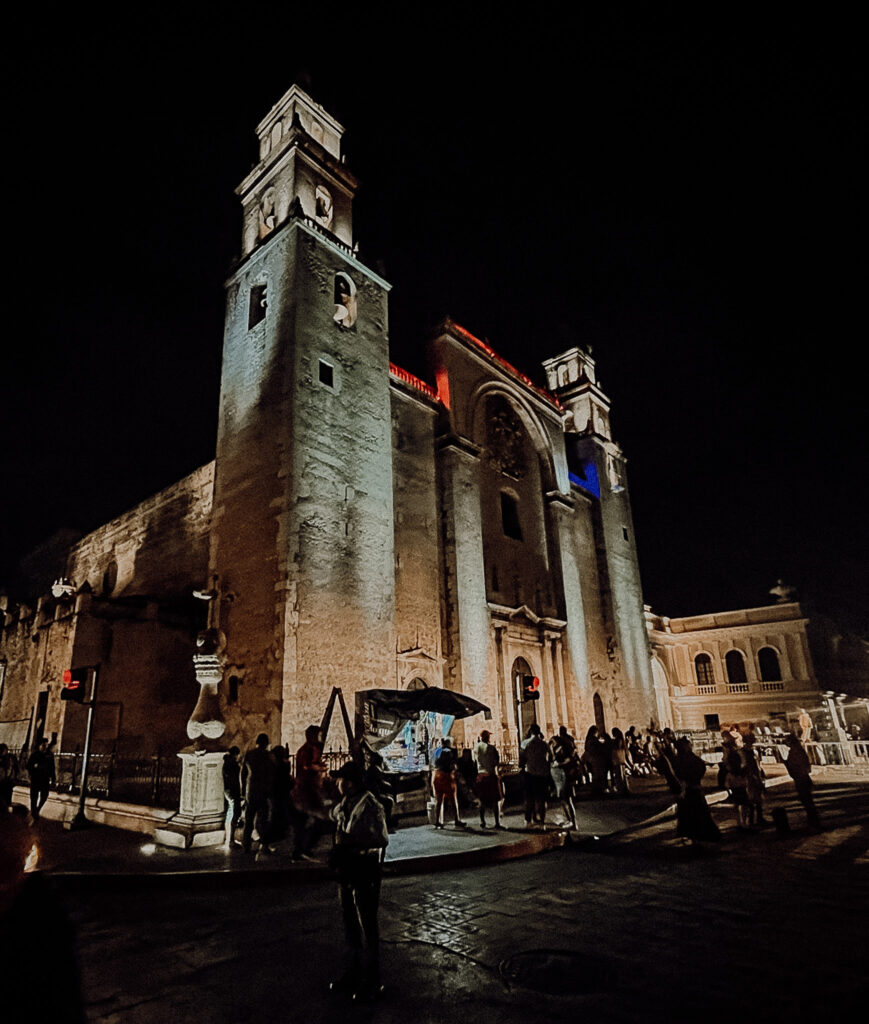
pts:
[358, 527]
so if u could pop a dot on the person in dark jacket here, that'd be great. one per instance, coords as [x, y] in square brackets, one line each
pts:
[8, 775]
[799, 768]
[231, 794]
[257, 782]
[40, 768]
[361, 838]
[693, 820]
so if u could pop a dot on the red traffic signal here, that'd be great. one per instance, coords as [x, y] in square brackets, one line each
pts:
[74, 684]
[530, 688]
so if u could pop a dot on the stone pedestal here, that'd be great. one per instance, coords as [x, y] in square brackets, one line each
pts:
[199, 821]
[200, 817]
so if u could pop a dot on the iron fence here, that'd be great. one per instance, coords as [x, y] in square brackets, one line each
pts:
[149, 781]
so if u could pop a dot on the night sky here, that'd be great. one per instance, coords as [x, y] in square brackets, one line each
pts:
[687, 197]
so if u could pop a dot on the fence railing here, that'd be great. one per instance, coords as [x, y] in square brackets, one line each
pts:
[150, 781]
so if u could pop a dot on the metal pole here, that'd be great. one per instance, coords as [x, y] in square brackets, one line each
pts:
[80, 821]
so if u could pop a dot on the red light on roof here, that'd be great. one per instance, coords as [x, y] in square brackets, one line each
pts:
[503, 362]
[414, 382]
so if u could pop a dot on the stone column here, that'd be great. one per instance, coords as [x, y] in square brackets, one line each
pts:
[200, 817]
[561, 508]
[471, 657]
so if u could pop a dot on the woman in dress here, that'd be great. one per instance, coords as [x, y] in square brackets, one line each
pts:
[693, 820]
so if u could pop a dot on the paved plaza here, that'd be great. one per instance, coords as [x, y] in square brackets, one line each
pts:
[634, 926]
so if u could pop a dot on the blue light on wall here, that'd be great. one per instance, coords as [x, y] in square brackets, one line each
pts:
[584, 475]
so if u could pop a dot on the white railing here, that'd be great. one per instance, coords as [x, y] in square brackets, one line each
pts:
[854, 752]
[737, 687]
[770, 687]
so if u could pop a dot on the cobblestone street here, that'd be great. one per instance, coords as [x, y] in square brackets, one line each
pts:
[637, 927]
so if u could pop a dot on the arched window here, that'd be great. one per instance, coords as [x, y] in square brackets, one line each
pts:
[770, 671]
[735, 667]
[703, 670]
[345, 301]
[417, 684]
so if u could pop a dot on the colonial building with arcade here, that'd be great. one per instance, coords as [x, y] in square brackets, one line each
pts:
[358, 527]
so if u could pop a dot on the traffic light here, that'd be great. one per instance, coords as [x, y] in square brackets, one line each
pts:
[74, 684]
[530, 688]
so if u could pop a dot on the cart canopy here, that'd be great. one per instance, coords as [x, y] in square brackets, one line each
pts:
[384, 712]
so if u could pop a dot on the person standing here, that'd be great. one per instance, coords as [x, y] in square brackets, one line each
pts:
[693, 820]
[361, 839]
[40, 768]
[8, 775]
[562, 770]
[231, 794]
[799, 768]
[534, 760]
[736, 779]
[444, 782]
[594, 758]
[488, 783]
[619, 756]
[754, 787]
[257, 782]
[307, 795]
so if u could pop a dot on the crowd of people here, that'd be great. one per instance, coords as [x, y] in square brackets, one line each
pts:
[556, 774]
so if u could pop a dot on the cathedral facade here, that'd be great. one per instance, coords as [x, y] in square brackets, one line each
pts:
[358, 527]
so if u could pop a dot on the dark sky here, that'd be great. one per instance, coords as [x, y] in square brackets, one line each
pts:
[685, 196]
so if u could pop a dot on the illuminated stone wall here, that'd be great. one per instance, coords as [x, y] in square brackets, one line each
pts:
[417, 522]
[160, 547]
[302, 538]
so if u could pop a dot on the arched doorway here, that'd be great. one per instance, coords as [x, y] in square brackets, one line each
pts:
[599, 719]
[526, 711]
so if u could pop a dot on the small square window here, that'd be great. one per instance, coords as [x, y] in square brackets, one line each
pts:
[327, 374]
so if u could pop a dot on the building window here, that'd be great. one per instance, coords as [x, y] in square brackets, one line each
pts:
[327, 374]
[258, 303]
[735, 664]
[323, 206]
[770, 671]
[625, 532]
[703, 670]
[233, 690]
[510, 516]
[345, 301]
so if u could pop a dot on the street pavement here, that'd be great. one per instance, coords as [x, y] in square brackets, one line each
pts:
[101, 854]
[631, 926]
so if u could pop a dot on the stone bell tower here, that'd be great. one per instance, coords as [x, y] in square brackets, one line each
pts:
[302, 531]
[598, 464]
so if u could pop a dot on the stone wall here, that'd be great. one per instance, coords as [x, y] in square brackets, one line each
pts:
[417, 564]
[160, 547]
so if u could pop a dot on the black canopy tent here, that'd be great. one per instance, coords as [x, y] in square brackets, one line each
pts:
[383, 713]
